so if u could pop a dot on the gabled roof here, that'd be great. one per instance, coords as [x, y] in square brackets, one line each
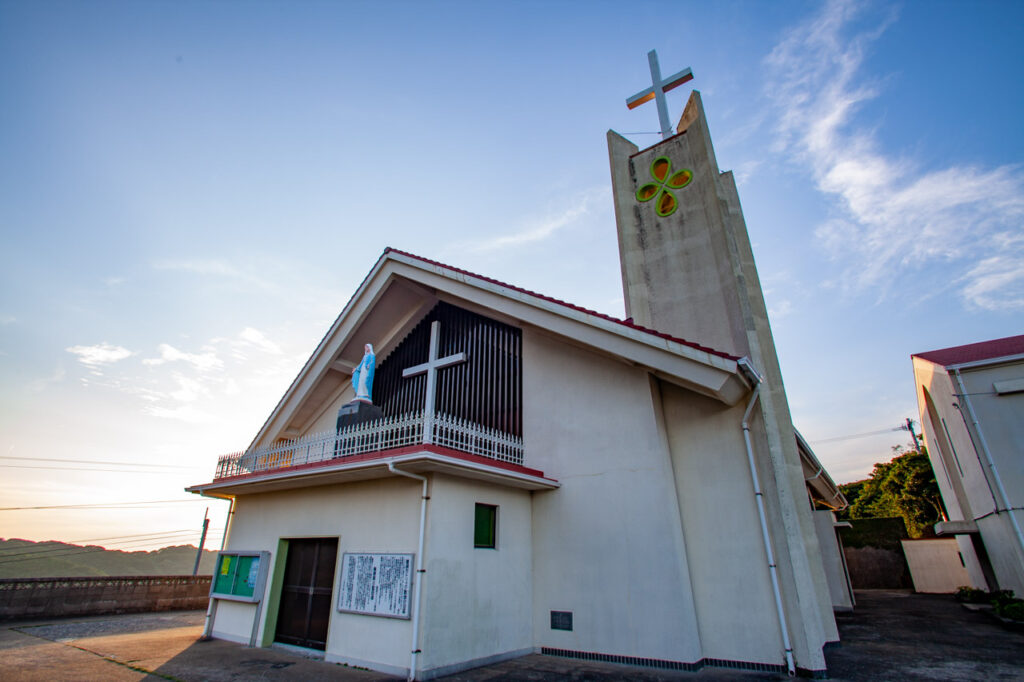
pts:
[626, 323]
[975, 352]
[401, 288]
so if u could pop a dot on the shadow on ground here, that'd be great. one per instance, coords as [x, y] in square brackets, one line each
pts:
[890, 636]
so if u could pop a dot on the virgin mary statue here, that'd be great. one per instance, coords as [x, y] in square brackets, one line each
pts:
[362, 375]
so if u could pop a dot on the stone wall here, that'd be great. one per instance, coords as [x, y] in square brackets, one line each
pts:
[874, 555]
[24, 598]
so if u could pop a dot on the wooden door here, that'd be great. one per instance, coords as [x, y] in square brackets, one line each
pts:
[305, 608]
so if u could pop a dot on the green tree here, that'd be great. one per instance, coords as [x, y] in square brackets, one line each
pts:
[904, 486]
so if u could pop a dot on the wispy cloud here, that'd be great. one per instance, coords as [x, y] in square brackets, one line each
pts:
[99, 355]
[205, 360]
[576, 207]
[892, 215]
[254, 337]
[192, 385]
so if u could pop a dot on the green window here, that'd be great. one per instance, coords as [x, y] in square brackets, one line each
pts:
[485, 526]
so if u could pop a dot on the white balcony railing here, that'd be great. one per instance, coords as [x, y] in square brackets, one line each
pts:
[374, 436]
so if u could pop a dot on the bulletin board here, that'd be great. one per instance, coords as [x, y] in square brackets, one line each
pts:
[376, 584]
[240, 576]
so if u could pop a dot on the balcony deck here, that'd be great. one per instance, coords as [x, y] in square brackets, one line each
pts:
[439, 443]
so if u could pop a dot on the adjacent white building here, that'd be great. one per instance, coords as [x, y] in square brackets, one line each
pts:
[971, 400]
[545, 478]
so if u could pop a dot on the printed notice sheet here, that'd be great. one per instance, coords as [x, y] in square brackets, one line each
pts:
[376, 584]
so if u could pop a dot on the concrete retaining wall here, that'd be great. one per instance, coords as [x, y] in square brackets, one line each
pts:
[24, 598]
[874, 568]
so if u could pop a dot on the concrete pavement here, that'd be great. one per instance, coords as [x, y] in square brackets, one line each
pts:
[890, 636]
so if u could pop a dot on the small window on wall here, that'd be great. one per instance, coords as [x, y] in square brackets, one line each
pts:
[485, 527]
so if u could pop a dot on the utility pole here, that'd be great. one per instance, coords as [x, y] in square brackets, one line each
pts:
[910, 427]
[202, 540]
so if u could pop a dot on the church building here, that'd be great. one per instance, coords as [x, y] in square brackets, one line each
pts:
[465, 471]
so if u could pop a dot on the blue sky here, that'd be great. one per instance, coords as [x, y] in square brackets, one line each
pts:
[189, 193]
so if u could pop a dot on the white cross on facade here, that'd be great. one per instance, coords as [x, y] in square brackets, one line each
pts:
[430, 368]
[657, 92]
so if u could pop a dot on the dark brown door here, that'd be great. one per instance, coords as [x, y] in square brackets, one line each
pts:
[305, 608]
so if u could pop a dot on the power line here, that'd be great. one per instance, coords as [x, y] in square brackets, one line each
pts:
[95, 461]
[73, 542]
[113, 471]
[105, 505]
[32, 552]
[86, 550]
[860, 435]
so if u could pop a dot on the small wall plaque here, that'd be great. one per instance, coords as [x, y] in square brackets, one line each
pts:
[561, 620]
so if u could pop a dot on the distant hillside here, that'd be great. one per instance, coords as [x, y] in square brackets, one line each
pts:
[27, 559]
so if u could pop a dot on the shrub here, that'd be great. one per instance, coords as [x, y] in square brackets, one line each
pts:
[1012, 610]
[971, 595]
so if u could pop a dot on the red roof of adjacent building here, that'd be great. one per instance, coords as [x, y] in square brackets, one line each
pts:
[625, 323]
[972, 352]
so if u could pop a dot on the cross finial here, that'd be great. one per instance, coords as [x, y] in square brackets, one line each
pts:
[657, 91]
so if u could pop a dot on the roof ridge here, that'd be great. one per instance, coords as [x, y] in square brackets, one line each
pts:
[625, 323]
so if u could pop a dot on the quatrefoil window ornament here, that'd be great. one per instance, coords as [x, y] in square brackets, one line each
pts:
[665, 203]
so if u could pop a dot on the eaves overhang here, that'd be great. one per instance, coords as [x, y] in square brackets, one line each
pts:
[417, 459]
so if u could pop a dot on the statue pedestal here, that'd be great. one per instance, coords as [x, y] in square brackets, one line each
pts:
[357, 412]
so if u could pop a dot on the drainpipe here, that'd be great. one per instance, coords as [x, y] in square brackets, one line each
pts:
[988, 460]
[419, 567]
[211, 609]
[755, 378]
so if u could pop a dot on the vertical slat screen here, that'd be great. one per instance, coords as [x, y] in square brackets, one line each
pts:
[486, 389]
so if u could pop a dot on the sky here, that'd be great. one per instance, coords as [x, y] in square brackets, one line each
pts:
[191, 191]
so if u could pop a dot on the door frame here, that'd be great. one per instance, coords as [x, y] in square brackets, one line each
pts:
[277, 584]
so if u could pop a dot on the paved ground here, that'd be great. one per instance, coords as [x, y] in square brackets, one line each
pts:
[891, 636]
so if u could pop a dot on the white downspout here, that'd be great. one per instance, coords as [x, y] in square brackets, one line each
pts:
[759, 497]
[419, 567]
[211, 609]
[988, 460]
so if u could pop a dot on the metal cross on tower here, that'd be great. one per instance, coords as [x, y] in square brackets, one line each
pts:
[657, 92]
[430, 368]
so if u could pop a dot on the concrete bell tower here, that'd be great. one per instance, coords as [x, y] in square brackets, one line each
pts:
[688, 270]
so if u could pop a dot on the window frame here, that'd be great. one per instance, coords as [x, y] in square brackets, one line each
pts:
[493, 523]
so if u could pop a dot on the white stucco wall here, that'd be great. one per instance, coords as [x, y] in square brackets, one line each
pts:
[968, 489]
[478, 601]
[372, 516]
[833, 561]
[233, 621]
[935, 565]
[608, 544]
[728, 564]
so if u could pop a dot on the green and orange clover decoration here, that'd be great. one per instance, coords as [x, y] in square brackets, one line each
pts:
[665, 180]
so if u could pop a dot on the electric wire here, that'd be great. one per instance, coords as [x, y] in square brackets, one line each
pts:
[859, 435]
[109, 538]
[95, 461]
[107, 505]
[110, 471]
[58, 552]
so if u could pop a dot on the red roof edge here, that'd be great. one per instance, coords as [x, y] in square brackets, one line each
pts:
[625, 323]
[973, 352]
[387, 454]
